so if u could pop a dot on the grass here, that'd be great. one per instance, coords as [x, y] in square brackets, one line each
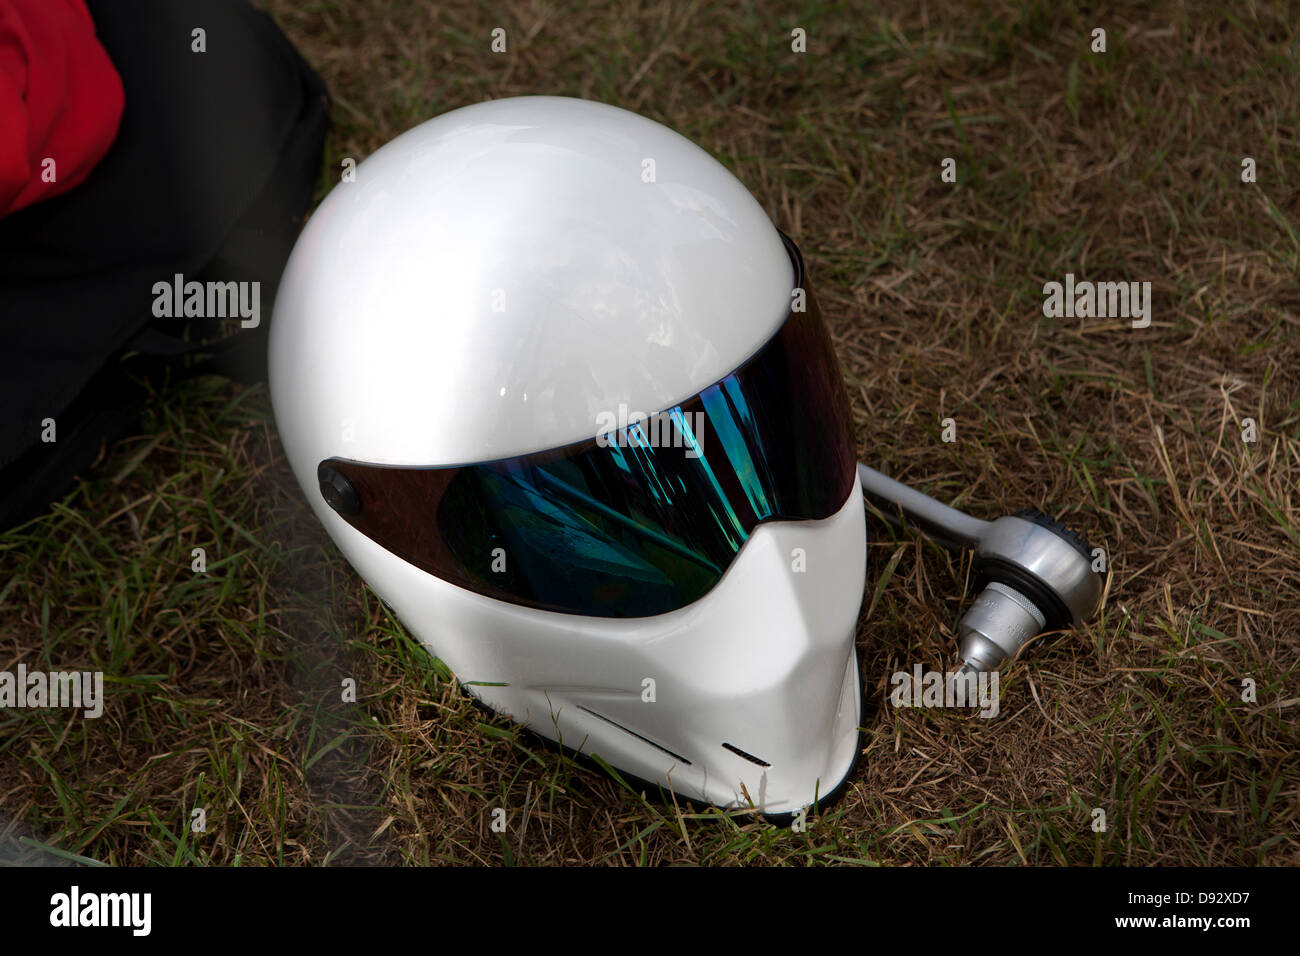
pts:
[225, 686]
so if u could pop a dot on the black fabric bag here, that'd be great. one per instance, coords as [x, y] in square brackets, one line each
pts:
[210, 177]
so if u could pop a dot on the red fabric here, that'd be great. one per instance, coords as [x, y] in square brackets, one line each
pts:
[60, 99]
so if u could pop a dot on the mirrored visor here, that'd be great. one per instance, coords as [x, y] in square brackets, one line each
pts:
[642, 519]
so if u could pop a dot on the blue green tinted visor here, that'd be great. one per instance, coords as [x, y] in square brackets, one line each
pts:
[643, 519]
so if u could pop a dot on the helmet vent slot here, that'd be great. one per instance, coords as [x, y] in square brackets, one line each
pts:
[675, 756]
[750, 757]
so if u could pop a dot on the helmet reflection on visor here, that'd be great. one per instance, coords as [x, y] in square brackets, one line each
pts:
[637, 522]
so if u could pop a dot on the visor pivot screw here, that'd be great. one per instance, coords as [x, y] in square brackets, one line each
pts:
[337, 491]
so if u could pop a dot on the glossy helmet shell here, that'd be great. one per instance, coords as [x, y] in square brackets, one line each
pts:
[488, 285]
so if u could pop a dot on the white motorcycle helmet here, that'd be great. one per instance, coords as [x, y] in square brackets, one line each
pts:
[556, 387]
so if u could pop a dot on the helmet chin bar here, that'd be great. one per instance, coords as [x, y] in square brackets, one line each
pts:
[1037, 573]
